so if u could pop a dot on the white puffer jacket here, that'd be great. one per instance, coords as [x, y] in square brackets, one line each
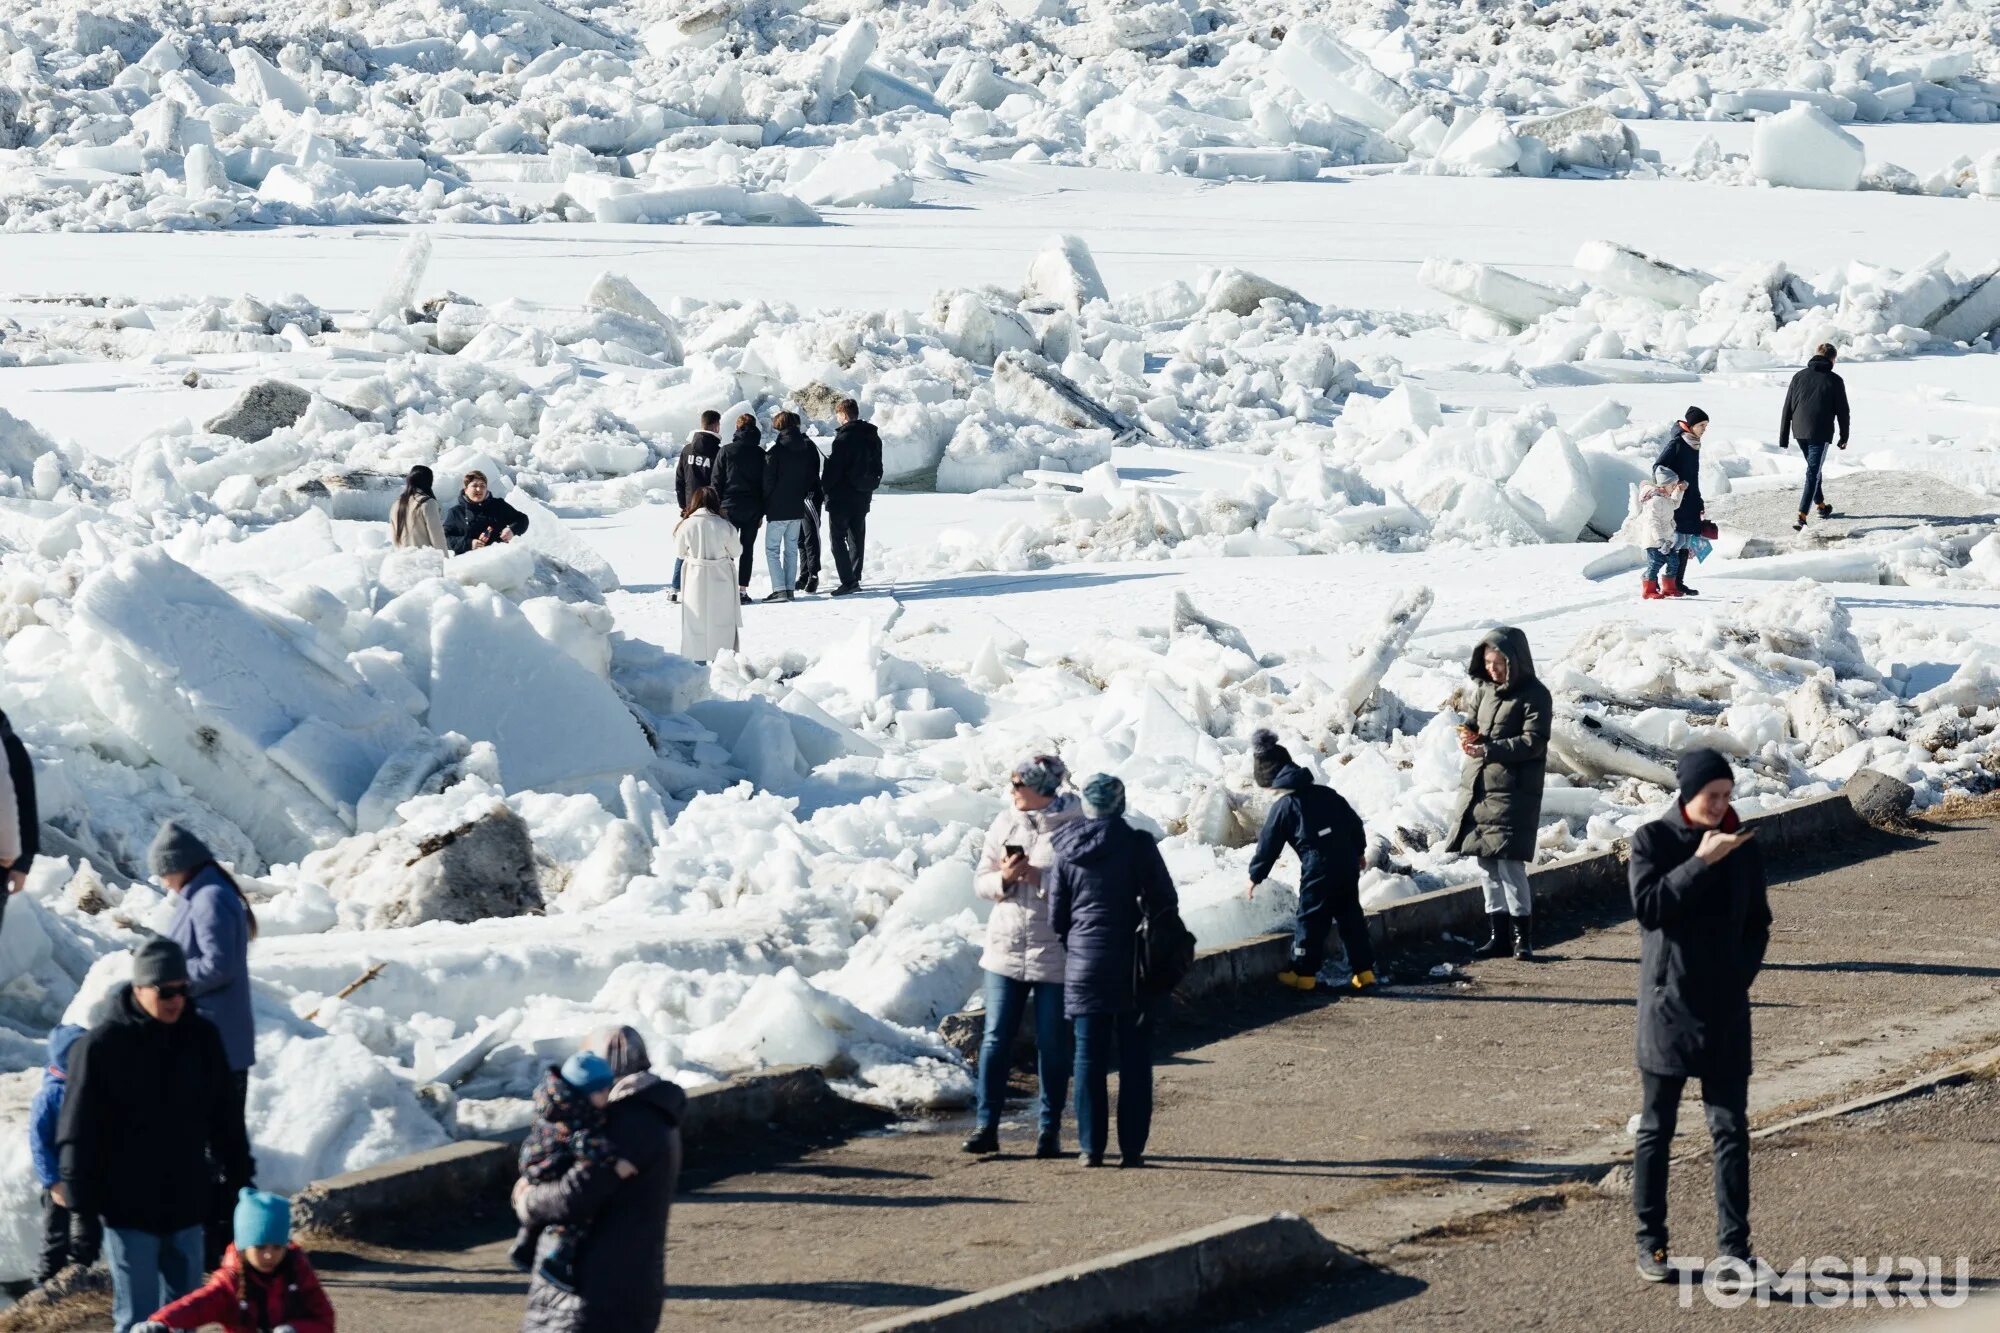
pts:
[1020, 943]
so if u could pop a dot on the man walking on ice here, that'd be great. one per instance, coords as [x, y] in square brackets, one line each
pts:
[1815, 403]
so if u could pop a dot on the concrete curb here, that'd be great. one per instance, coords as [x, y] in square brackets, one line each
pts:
[1168, 1278]
[475, 1174]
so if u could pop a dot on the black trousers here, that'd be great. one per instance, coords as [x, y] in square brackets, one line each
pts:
[220, 1227]
[1726, 1101]
[748, 532]
[849, 530]
[67, 1238]
[1324, 904]
[809, 529]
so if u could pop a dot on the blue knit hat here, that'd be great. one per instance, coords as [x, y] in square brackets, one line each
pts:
[262, 1219]
[1103, 797]
[587, 1071]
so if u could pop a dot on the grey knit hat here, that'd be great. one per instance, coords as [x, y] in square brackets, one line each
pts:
[175, 849]
[623, 1049]
[1103, 797]
[158, 962]
[1042, 773]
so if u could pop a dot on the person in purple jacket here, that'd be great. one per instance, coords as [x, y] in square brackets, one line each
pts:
[68, 1237]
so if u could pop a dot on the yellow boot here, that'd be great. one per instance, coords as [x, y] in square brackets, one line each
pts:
[1295, 981]
[1364, 982]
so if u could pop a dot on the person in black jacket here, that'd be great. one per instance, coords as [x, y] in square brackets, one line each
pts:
[21, 775]
[1328, 836]
[853, 472]
[1105, 874]
[621, 1268]
[695, 470]
[1681, 455]
[149, 1101]
[739, 480]
[481, 518]
[1698, 891]
[1815, 403]
[791, 482]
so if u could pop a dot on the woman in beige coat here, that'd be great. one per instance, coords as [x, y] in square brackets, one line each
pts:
[708, 545]
[414, 521]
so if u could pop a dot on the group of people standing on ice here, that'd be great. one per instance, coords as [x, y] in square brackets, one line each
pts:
[1672, 518]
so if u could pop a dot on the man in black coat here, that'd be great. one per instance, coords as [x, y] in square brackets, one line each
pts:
[621, 1267]
[150, 1101]
[21, 771]
[1681, 455]
[1815, 404]
[791, 484]
[853, 473]
[695, 470]
[1318, 824]
[739, 481]
[1698, 891]
[481, 518]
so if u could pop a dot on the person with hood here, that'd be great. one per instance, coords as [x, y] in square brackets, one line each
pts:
[1105, 876]
[853, 473]
[1331, 843]
[414, 522]
[1699, 893]
[1681, 456]
[481, 518]
[1815, 404]
[1506, 746]
[1023, 961]
[264, 1284]
[791, 482]
[696, 469]
[739, 483]
[621, 1274]
[707, 545]
[213, 924]
[151, 1101]
[68, 1237]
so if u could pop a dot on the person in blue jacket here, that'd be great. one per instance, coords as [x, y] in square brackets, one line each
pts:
[1318, 824]
[213, 924]
[67, 1237]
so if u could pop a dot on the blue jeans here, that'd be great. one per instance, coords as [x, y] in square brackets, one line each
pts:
[678, 562]
[1657, 561]
[149, 1271]
[1006, 1002]
[1132, 1037]
[781, 553]
[1813, 493]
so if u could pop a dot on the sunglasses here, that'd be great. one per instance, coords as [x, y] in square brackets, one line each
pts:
[173, 990]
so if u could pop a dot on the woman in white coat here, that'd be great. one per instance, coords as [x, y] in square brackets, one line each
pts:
[708, 545]
[1024, 960]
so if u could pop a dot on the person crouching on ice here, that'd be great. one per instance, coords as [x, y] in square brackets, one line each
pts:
[265, 1281]
[1318, 824]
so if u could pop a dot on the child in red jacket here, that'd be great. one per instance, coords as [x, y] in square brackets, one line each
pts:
[265, 1284]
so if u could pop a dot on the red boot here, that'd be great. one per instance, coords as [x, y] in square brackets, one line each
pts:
[1670, 587]
[1649, 591]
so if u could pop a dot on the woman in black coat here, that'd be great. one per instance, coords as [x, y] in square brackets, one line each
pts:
[1105, 874]
[738, 477]
[1698, 891]
[621, 1265]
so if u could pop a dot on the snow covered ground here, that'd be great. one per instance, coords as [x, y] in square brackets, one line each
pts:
[1248, 453]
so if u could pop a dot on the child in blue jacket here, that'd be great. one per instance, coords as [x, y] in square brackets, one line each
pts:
[67, 1237]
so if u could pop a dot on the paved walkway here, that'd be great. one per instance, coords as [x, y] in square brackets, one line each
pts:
[1866, 504]
[1340, 1111]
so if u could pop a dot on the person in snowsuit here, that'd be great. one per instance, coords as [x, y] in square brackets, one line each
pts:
[791, 483]
[1658, 500]
[708, 545]
[1815, 403]
[1319, 825]
[1024, 961]
[264, 1284]
[695, 470]
[1681, 455]
[852, 475]
[1699, 893]
[481, 518]
[414, 521]
[1506, 745]
[569, 1132]
[68, 1237]
[1106, 874]
[213, 924]
[20, 816]
[151, 1098]
[739, 483]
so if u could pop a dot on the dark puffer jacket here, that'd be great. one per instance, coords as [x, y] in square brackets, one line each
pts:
[1682, 456]
[1815, 403]
[1104, 870]
[791, 476]
[1702, 934]
[22, 770]
[1500, 796]
[1318, 824]
[739, 477]
[466, 522]
[621, 1264]
[853, 466]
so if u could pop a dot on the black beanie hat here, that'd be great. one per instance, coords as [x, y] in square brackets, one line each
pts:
[158, 961]
[1698, 768]
[1267, 756]
[1695, 416]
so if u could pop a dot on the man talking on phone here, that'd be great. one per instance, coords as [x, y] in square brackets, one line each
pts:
[1698, 891]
